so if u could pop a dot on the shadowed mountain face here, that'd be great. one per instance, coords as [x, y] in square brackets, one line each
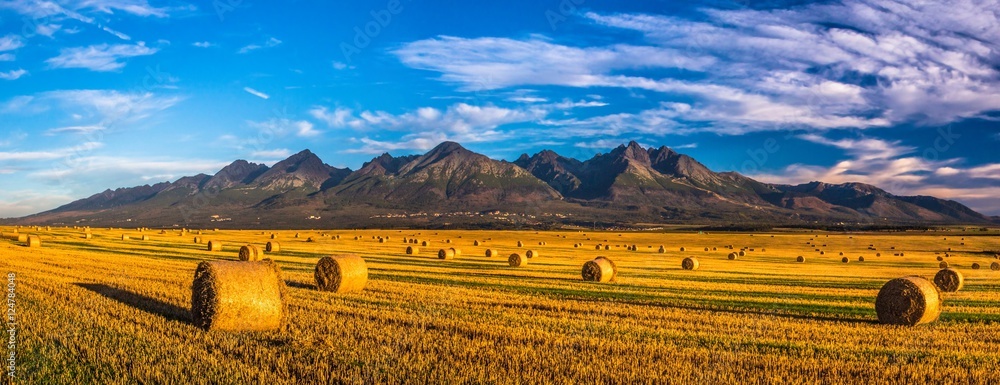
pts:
[447, 176]
[628, 184]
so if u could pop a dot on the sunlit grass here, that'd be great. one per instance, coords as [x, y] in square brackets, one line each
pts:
[106, 310]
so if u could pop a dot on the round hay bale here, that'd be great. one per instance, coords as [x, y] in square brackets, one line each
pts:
[949, 280]
[145, 237]
[841, 253]
[520, 244]
[425, 243]
[939, 258]
[822, 253]
[733, 256]
[845, 260]
[412, 250]
[607, 247]
[458, 252]
[516, 260]
[975, 266]
[214, 246]
[908, 301]
[249, 253]
[197, 239]
[530, 254]
[861, 258]
[662, 250]
[600, 269]
[272, 247]
[490, 253]
[380, 240]
[943, 265]
[598, 247]
[22, 238]
[88, 236]
[878, 254]
[475, 243]
[296, 235]
[238, 296]
[690, 263]
[33, 241]
[706, 249]
[125, 237]
[446, 254]
[682, 249]
[341, 273]
[800, 259]
[742, 253]
[311, 239]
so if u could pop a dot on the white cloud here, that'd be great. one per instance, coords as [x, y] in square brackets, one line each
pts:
[527, 99]
[203, 44]
[492, 63]
[26, 202]
[305, 129]
[29, 156]
[10, 43]
[7, 57]
[280, 153]
[932, 61]
[338, 118]
[108, 105]
[271, 42]
[280, 127]
[13, 74]
[75, 130]
[248, 48]
[339, 66]
[600, 144]
[256, 93]
[101, 57]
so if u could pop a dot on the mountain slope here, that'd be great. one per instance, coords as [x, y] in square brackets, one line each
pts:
[628, 184]
[448, 175]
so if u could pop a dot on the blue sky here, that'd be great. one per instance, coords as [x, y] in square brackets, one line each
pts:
[99, 94]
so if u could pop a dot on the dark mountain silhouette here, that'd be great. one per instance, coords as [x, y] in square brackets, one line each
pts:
[451, 184]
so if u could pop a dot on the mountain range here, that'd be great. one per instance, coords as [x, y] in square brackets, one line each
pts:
[452, 186]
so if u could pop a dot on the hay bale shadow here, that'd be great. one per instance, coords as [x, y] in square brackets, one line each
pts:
[148, 304]
[300, 285]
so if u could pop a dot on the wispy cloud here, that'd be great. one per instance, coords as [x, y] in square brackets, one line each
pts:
[75, 130]
[271, 42]
[13, 74]
[101, 57]
[110, 105]
[28, 156]
[256, 93]
[10, 43]
[203, 44]
[7, 57]
[281, 127]
[280, 153]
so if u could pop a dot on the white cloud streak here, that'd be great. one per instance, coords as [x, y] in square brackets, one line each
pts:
[101, 58]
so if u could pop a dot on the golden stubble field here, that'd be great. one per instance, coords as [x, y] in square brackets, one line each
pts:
[107, 310]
